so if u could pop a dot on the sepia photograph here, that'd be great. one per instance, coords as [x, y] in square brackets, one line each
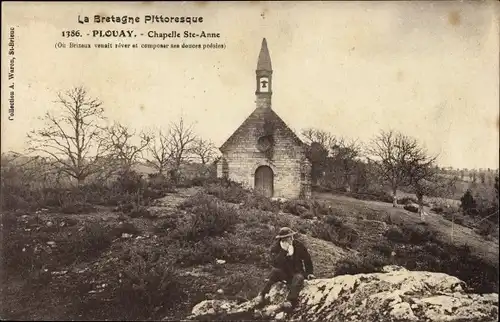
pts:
[250, 161]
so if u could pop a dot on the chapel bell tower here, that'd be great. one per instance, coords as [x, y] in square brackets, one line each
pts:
[264, 77]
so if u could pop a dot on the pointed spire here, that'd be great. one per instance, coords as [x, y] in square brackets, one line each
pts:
[264, 62]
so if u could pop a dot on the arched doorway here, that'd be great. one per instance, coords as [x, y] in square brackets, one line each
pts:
[264, 181]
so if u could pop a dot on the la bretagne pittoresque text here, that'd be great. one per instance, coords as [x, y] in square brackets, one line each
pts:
[148, 19]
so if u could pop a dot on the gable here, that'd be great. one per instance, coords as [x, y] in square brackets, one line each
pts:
[258, 120]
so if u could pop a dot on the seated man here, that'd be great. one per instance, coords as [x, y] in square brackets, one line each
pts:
[291, 262]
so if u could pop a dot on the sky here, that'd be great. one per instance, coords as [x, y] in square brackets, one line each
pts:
[427, 69]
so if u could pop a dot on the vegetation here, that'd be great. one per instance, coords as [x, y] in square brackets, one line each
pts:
[84, 222]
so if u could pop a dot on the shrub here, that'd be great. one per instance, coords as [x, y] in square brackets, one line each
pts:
[457, 218]
[12, 256]
[198, 200]
[228, 191]
[486, 228]
[395, 234]
[468, 203]
[409, 234]
[86, 245]
[335, 231]
[407, 200]
[367, 263]
[23, 191]
[260, 202]
[232, 248]
[197, 181]
[320, 209]
[148, 282]
[480, 275]
[210, 218]
[437, 209]
[384, 249]
[411, 207]
[130, 181]
[295, 207]
[334, 221]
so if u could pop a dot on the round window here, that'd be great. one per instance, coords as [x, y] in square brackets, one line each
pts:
[264, 143]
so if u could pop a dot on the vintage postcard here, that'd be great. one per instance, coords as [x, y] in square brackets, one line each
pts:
[288, 160]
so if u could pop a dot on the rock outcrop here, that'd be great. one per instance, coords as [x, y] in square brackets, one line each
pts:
[394, 295]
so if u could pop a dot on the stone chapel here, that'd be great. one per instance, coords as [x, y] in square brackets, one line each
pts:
[263, 153]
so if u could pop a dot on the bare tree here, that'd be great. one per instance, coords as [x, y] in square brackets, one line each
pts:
[324, 138]
[121, 146]
[171, 148]
[393, 152]
[422, 176]
[344, 158]
[320, 143]
[204, 149]
[159, 151]
[72, 135]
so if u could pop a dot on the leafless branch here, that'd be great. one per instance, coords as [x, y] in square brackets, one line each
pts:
[204, 149]
[72, 134]
[121, 148]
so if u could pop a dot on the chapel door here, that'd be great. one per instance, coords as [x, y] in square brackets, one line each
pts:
[264, 181]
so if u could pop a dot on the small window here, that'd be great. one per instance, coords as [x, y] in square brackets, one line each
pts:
[302, 176]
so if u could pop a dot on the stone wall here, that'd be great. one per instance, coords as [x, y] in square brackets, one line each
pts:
[287, 162]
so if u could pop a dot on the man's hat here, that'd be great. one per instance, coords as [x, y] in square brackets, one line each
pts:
[285, 232]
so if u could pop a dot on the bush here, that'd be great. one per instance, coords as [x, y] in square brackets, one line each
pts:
[198, 200]
[486, 228]
[411, 207]
[86, 245]
[295, 207]
[435, 256]
[384, 249]
[210, 218]
[148, 282]
[12, 256]
[260, 202]
[231, 248]
[407, 200]
[335, 231]
[437, 209]
[367, 263]
[130, 181]
[228, 191]
[20, 190]
[395, 234]
[468, 203]
[409, 234]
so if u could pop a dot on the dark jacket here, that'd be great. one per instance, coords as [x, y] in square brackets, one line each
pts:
[299, 262]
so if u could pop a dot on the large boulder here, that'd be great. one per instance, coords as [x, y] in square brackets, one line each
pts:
[394, 295]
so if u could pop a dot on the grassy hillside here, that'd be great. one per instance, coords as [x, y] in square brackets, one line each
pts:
[120, 260]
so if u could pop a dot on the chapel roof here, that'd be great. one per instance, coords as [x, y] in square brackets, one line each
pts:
[257, 119]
